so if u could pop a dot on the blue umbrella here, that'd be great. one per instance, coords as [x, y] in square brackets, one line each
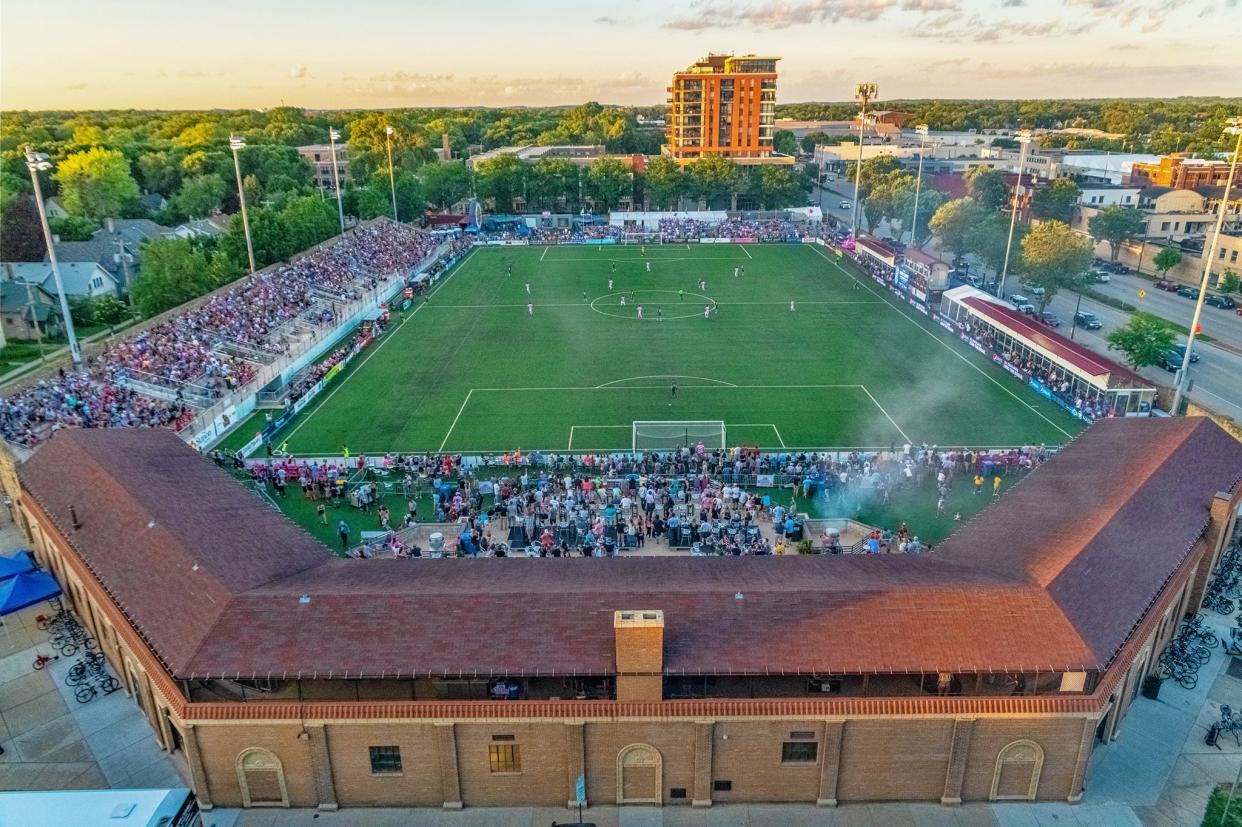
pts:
[27, 589]
[19, 563]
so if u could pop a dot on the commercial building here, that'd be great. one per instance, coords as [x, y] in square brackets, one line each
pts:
[989, 669]
[319, 156]
[580, 154]
[724, 105]
[1179, 172]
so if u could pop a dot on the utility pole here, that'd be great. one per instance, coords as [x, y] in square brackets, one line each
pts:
[237, 142]
[392, 181]
[863, 92]
[336, 178]
[1024, 139]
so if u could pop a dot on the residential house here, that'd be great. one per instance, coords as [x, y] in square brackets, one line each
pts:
[27, 311]
[81, 278]
[153, 201]
[54, 209]
[216, 225]
[116, 247]
[1108, 195]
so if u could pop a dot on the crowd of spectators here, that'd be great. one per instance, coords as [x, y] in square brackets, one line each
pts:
[196, 352]
[689, 229]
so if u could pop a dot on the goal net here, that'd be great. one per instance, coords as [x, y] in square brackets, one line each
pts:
[666, 435]
[641, 237]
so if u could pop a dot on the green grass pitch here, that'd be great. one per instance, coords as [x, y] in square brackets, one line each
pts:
[473, 370]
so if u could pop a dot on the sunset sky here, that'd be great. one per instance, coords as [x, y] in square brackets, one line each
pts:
[384, 53]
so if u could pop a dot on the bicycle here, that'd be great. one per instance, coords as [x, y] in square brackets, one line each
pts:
[90, 667]
[1230, 722]
[42, 661]
[85, 692]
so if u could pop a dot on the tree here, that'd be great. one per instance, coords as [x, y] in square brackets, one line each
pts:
[1056, 201]
[812, 140]
[988, 188]
[785, 142]
[1229, 282]
[174, 270]
[1145, 340]
[552, 184]
[989, 237]
[109, 310]
[410, 199]
[711, 178]
[930, 200]
[952, 224]
[368, 202]
[96, 183]
[1054, 256]
[199, 197]
[665, 183]
[21, 232]
[73, 228]
[779, 186]
[445, 184]
[607, 181]
[500, 180]
[1115, 225]
[308, 220]
[1166, 260]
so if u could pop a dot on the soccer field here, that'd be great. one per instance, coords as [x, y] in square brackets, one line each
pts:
[474, 370]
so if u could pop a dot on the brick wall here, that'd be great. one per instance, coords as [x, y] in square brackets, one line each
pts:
[418, 785]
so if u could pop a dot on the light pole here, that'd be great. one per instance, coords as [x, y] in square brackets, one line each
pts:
[237, 142]
[918, 185]
[1024, 138]
[336, 179]
[863, 92]
[1234, 128]
[38, 162]
[392, 181]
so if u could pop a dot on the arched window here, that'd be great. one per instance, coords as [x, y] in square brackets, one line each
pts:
[262, 779]
[1017, 772]
[639, 775]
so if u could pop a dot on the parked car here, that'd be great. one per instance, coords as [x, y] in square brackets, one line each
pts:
[1101, 277]
[1087, 319]
[1034, 289]
[1223, 302]
[1167, 285]
[1118, 267]
[1050, 319]
[1180, 350]
[846, 205]
[1188, 292]
[1022, 303]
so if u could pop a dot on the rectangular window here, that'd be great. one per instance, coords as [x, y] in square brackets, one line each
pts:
[385, 760]
[1233, 257]
[504, 758]
[799, 752]
[1222, 253]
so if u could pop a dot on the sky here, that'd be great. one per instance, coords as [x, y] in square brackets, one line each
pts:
[191, 54]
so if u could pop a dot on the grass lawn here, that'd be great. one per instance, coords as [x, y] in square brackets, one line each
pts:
[1216, 808]
[472, 370]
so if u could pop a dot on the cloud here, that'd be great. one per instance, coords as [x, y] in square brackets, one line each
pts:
[977, 29]
[299, 71]
[1012, 4]
[605, 20]
[187, 73]
[777, 14]
[76, 87]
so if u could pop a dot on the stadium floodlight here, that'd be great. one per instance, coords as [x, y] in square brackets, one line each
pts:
[333, 137]
[918, 185]
[38, 162]
[1024, 139]
[236, 143]
[1234, 128]
[863, 93]
[392, 183]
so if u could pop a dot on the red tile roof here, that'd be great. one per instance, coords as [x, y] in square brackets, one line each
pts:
[1052, 577]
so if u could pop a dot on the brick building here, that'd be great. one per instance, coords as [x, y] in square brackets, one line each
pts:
[986, 670]
[319, 156]
[1179, 172]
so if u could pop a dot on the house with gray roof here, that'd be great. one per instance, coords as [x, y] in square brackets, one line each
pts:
[27, 311]
[81, 278]
[116, 247]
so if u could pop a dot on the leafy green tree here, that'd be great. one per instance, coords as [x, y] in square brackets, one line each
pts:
[174, 270]
[308, 220]
[1166, 260]
[1054, 256]
[952, 224]
[254, 189]
[989, 237]
[779, 186]
[21, 232]
[159, 172]
[1229, 282]
[664, 182]
[1145, 340]
[987, 187]
[930, 200]
[784, 142]
[96, 183]
[199, 197]
[1056, 201]
[73, 228]
[812, 140]
[109, 310]
[445, 184]
[1116, 225]
[711, 178]
[500, 180]
[12, 187]
[410, 199]
[607, 181]
[368, 202]
[553, 183]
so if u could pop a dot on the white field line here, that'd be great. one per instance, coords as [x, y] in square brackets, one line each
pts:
[501, 450]
[668, 376]
[588, 306]
[387, 339]
[611, 387]
[776, 430]
[449, 433]
[747, 252]
[886, 416]
[545, 252]
[942, 343]
[554, 259]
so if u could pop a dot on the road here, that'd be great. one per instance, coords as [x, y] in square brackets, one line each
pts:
[1222, 325]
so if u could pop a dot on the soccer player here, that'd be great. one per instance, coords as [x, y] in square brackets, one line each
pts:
[614, 267]
[510, 270]
[659, 315]
[707, 311]
[649, 267]
[623, 300]
[642, 249]
[640, 312]
[735, 272]
[703, 285]
[681, 294]
[743, 270]
[791, 306]
[530, 309]
[528, 288]
[673, 388]
[584, 297]
[609, 284]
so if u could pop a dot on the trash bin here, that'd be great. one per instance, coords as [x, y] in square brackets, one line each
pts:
[1213, 734]
[1151, 687]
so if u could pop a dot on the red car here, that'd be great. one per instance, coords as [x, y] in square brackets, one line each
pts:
[1166, 285]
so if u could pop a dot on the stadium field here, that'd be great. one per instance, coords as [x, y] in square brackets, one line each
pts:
[484, 366]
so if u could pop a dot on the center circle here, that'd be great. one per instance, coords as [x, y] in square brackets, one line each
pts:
[688, 306]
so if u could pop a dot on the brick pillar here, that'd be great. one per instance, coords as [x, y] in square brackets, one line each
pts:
[959, 749]
[640, 655]
[575, 759]
[450, 778]
[1085, 745]
[834, 732]
[704, 743]
[198, 777]
[321, 766]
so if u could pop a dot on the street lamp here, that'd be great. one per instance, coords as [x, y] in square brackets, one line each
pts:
[918, 185]
[333, 135]
[863, 92]
[1024, 138]
[38, 162]
[1234, 128]
[237, 142]
[392, 182]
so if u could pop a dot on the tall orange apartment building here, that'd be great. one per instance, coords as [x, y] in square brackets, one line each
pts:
[724, 105]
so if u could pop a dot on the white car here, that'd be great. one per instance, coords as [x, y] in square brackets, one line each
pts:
[846, 205]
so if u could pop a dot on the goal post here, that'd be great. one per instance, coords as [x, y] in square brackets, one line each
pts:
[641, 237]
[670, 435]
